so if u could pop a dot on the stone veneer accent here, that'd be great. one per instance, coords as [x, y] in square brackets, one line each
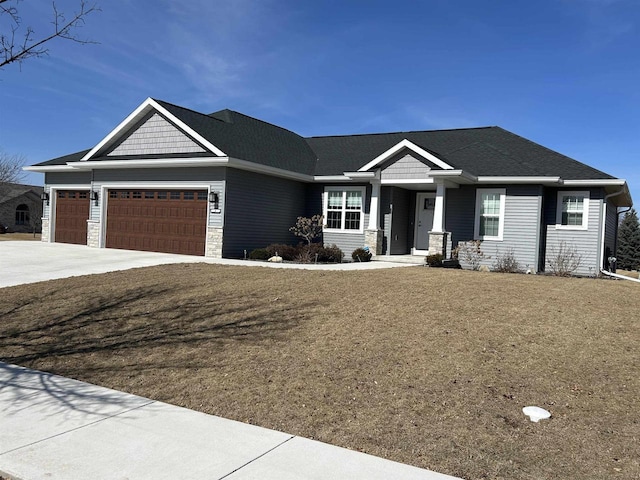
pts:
[438, 243]
[93, 233]
[45, 230]
[373, 239]
[213, 247]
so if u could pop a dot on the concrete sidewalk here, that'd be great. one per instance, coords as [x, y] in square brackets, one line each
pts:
[53, 427]
[29, 262]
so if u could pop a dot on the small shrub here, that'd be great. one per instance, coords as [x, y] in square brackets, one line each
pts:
[331, 254]
[564, 259]
[470, 253]
[287, 252]
[434, 260]
[361, 255]
[506, 262]
[308, 228]
[260, 254]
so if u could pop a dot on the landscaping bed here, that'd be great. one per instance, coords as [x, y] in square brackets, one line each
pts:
[425, 366]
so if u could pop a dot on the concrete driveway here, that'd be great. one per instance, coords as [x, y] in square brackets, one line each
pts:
[29, 262]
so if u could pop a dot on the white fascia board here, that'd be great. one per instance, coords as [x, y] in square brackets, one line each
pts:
[48, 168]
[602, 182]
[267, 170]
[454, 175]
[411, 146]
[520, 180]
[407, 181]
[360, 174]
[150, 163]
[331, 178]
[146, 106]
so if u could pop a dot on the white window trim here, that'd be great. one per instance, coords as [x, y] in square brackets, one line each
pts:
[585, 210]
[325, 204]
[476, 229]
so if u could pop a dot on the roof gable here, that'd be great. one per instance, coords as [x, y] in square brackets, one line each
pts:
[155, 135]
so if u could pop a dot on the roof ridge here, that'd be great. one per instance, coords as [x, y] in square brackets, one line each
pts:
[401, 132]
[234, 112]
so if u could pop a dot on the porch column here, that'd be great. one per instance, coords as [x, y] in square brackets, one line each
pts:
[372, 235]
[373, 205]
[438, 214]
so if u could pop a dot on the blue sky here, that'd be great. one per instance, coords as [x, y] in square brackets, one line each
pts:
[563, 73]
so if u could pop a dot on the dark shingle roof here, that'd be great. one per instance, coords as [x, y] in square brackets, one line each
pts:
[248, 138]
[486, 151]
[13, 190]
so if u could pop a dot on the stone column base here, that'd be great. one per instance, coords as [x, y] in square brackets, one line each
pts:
[438, 243]
[45, 230]
[93, 233]
[213, 247]
[373, 239]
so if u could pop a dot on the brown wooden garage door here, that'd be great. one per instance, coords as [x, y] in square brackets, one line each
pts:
[72, 213]
[172, 221]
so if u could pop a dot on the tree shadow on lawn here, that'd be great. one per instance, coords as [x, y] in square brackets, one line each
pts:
[143, 319]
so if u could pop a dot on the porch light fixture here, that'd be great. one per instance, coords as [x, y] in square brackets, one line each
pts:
[214, 200]
[44, 196]
[94, 197]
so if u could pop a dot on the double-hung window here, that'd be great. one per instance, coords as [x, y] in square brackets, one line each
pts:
[343, 209]
[489, 222]
[573, 210]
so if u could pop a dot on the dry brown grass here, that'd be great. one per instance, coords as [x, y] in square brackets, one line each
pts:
[425, 366]
[7, 237]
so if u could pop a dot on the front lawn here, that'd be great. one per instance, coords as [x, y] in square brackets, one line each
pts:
[424, 366]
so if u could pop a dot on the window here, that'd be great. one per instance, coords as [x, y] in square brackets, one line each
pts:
[22, 215]
[489, 224]
[343, 208]
[573, 210]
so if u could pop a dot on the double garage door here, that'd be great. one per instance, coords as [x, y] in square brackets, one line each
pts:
[172, 221]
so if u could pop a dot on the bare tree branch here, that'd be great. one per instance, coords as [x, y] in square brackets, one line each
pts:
[11, 167]
[17, 46]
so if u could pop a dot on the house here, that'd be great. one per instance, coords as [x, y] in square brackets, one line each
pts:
[171, 179]
[20, 207]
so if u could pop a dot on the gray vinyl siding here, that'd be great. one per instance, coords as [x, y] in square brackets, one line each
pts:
[212, 178]
[586, 242]
[156, 136]
[522, 219]
[395, 208]
[55, 179]
[260, 210]
[405, 167]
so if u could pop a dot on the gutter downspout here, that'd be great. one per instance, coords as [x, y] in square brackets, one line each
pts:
[615, 275]
[604, 227]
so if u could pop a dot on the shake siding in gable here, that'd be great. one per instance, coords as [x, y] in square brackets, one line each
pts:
[586, 242]
[156, 136]
[260, 210]
[405, 167]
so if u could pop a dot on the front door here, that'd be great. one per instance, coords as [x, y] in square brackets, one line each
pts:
[425, 204]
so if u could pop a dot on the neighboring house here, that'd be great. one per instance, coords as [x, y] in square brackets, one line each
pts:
[174, 180]
[20, 207]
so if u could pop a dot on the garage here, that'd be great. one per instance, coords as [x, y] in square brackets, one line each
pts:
[72, 213]
[170, 221]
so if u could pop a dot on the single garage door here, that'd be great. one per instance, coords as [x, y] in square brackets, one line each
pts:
[72, 213]
[171, 221]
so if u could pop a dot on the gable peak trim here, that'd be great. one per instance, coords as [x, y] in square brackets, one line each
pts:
[397, 148]
[145, 107]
